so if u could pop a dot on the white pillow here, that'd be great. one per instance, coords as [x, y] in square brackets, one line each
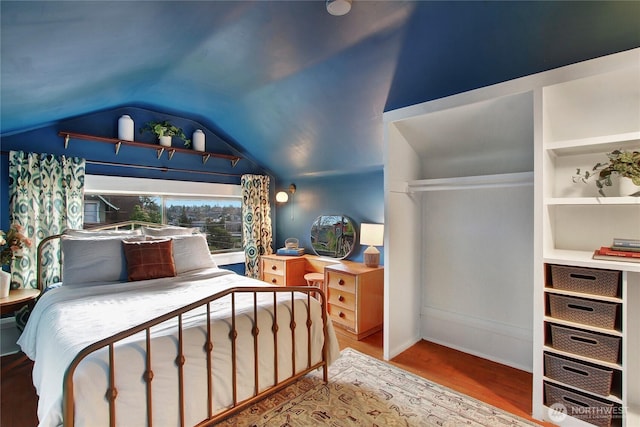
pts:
[191, 253]
[168, 231]
[96, 259]
[101, 233]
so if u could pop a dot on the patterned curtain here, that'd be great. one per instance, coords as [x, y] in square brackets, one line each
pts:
[46, 197]
[256, 221]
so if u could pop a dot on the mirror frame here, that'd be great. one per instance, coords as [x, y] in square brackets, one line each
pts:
[324, 229]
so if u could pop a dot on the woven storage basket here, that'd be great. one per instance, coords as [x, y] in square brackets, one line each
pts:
[578, 374]
[596, 412]
[588, 312]
[589, 344]
[585, 280]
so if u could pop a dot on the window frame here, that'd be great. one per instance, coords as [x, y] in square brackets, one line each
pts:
[120, 185]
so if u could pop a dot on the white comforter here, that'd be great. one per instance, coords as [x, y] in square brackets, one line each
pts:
[69, 318]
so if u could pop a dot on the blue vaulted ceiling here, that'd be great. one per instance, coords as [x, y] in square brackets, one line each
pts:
[295, 89]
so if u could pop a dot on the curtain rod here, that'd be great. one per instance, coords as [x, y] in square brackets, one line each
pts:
[157, 168]
[160, 168]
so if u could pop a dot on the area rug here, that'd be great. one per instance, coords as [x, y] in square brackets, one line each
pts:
[364, 391]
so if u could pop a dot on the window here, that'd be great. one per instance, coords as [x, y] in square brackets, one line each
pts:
[91, 209]
[215, 209]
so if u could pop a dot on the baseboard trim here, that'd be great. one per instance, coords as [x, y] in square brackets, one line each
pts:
[396, 350]
[505, 344]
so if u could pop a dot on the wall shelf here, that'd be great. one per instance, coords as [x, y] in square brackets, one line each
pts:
[159, 149]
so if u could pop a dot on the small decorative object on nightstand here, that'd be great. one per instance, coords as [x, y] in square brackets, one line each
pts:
[5, 284]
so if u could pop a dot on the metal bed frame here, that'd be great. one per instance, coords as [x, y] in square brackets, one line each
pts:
[109, 343]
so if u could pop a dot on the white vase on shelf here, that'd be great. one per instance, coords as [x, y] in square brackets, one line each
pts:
[198, 140]
[125, 128]
[5, 284]
[627, 187]
[165, 141]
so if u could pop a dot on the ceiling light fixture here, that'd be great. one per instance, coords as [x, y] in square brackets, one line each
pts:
[338, 7]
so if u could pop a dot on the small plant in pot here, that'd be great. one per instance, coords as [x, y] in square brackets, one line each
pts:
[165, 131]
[625, 164]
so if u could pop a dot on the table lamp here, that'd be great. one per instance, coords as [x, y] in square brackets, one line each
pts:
[372, 235]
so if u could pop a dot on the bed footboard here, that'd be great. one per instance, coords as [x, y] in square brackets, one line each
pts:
[296, 300]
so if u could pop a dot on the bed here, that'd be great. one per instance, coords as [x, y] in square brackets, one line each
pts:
[126, 340]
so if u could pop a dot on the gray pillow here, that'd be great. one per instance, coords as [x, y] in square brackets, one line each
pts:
[96, 259]
[191, 253]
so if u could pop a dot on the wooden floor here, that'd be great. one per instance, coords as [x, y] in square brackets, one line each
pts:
[501, 386]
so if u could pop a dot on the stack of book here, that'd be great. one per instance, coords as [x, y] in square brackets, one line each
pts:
[620, 250]
[290, 251]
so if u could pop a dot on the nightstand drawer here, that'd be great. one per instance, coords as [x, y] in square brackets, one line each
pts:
[343, 282]
[343, 316]
[272, 267]
[274, 279]
[342, 298]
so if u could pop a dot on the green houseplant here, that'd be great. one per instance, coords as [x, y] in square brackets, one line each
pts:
[165, 129]
[625, 164]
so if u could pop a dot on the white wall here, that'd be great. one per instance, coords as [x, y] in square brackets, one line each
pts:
[477, 272]
[402, 291]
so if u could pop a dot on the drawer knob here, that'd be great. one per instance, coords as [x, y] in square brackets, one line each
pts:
[341, 314]
[341, 282]
[273, 267]
[340, 298]
[273, 280]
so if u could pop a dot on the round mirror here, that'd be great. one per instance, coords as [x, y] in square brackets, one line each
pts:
[333, 236]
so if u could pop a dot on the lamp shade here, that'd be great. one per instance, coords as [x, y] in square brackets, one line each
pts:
[372, 234]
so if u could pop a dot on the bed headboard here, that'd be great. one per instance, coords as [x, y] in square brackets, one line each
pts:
[47, 242]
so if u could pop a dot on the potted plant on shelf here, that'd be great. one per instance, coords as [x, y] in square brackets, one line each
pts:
[625, 164]
[165, 131]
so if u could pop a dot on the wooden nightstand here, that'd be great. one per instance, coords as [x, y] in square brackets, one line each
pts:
[283, 270]
[356, 295]
[17, 298]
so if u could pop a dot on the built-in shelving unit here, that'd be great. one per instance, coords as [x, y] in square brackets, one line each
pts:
[581, 120]
[459, 207]
[159, 149]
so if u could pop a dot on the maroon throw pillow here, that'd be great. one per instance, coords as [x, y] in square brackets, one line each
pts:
[149, 259]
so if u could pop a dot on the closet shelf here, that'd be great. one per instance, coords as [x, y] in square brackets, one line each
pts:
[612, 332]
[593, 201]
[611, 365]
[471, 182]
[596, 144]
[584, 259]
[159, 149]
